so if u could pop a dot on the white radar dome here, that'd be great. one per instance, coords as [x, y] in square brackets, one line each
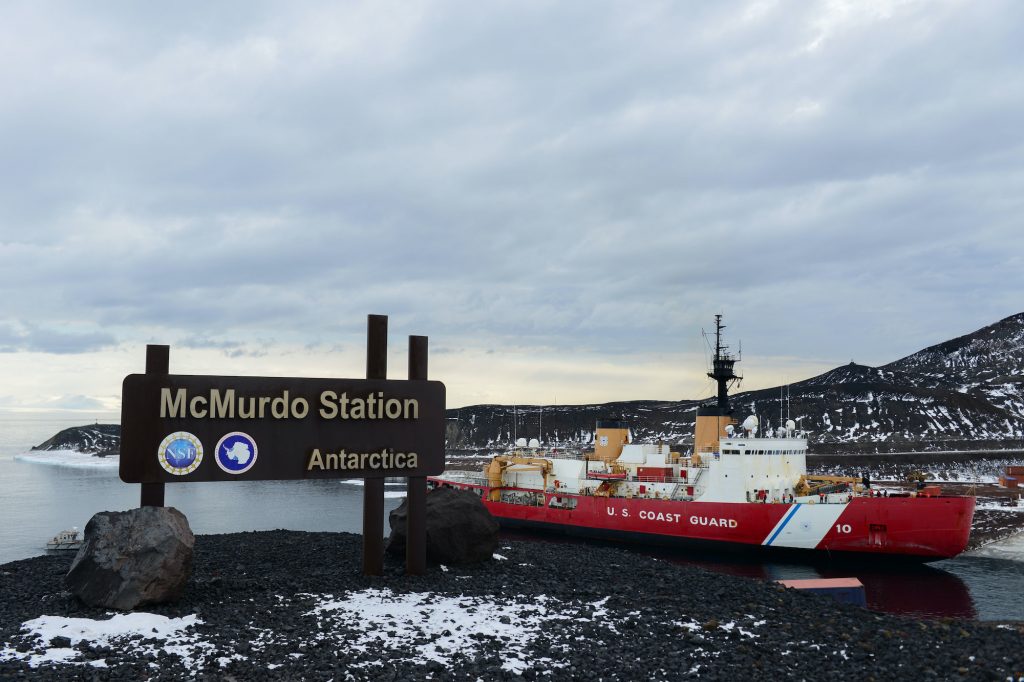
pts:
[521, 443]
[790, 426]
[750, 424]
[534, 443]
[729, 429]
[780, 432]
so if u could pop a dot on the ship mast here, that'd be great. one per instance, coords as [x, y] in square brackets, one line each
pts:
[722, 367]
[712, 420]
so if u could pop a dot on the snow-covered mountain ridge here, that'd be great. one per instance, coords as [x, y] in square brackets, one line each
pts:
[964, 393]
[94, 439]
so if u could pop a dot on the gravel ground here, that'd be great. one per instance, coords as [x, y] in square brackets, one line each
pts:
[291, 605]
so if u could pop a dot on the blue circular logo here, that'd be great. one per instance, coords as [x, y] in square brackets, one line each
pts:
[180, 453]
[236, 452]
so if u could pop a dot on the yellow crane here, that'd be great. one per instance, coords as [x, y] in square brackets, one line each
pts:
[495, 471]
[809, 484]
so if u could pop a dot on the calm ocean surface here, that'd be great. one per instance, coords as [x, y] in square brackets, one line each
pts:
[40, 498]
[63, 490]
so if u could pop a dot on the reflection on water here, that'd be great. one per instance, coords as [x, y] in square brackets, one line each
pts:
[910, 590]
[973, 587]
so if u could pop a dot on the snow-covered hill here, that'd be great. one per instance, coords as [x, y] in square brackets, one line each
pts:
[950, 396]
[94, 439]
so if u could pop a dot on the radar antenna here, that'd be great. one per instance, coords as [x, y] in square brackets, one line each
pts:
[722, 366]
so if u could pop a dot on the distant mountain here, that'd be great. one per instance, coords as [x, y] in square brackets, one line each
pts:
[963, 393]
[95, 439]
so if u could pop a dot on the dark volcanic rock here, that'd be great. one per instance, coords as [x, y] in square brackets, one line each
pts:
[94, 439]
[460, 530]
[133, 558]
[564, 611]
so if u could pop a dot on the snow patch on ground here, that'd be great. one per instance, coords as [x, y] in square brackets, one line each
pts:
[137, 632]
[69, 458]
[425, 627]
[998, 507]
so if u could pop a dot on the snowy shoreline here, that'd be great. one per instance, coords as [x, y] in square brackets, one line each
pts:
[71, 459]
[561, 611]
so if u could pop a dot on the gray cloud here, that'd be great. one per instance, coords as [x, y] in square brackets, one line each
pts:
[29, 337]
[75, 402]
[840, 183]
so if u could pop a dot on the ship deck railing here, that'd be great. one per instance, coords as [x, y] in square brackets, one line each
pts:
[459, 476]
[549, 454]
[660, 479]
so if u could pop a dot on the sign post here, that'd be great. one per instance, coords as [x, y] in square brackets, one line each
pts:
[373, 488]
[158, 361]
[416, 486]
[179, 428]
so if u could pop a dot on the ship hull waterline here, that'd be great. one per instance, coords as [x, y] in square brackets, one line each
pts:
[914, 529]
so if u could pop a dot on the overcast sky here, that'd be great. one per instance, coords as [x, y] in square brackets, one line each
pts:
[561, 195]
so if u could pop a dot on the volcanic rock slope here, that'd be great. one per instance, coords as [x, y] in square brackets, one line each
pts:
[95, 439]
[964, 393]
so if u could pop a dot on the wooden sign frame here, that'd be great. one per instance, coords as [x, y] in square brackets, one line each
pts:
[299, 417]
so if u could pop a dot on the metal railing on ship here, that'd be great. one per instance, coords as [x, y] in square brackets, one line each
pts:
[459, 476]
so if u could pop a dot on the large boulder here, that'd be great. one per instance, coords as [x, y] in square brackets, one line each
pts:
[133, 558]
[460, 530]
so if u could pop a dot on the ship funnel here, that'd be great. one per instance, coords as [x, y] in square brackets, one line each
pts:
[609, 439]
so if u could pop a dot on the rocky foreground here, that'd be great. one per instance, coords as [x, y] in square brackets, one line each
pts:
[291, 605]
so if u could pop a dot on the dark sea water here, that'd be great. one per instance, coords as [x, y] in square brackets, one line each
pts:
[40, 498]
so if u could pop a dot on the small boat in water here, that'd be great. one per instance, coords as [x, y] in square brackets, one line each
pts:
[64, 541]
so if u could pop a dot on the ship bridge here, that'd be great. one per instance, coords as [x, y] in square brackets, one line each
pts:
[744, 466]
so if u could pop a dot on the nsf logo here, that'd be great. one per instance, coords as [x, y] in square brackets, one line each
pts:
[236, 452]
[180, 453]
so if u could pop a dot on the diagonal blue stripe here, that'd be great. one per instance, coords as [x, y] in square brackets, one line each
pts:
[787, 519]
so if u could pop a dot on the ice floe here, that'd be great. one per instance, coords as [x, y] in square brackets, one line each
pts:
[1011, 548]
[69, 458]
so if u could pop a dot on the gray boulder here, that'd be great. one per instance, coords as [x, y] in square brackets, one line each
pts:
[460, 530]
[133, 558]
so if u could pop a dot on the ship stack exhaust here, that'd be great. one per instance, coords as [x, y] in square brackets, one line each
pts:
[610, 437]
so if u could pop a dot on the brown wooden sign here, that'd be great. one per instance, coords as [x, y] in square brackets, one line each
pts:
[177, 428]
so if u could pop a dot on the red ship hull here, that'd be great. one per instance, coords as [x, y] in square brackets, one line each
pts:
[919, 528]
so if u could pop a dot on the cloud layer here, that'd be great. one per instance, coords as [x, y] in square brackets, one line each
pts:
[586, 185]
